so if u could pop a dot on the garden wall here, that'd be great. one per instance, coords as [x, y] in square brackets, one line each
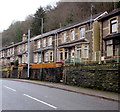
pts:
[102, 77]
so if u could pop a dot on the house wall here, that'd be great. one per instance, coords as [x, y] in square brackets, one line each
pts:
[105, 31]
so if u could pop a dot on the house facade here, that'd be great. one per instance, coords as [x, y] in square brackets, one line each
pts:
[79, 42]
[110, 35]
[44, 48]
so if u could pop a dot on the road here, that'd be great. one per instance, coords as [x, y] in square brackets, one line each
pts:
[25, 96]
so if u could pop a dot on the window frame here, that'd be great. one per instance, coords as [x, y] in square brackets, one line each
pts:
[114, 23]
[86, 51]
[82, 34]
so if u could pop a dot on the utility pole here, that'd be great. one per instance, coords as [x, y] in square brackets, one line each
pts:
[41, 25]
[28, 53]
[41, 50]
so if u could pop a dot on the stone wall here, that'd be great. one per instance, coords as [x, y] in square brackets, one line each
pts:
[102, 77]
[3, 74]
[47, 74]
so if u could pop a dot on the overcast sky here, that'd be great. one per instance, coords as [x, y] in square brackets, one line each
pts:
[18, 10]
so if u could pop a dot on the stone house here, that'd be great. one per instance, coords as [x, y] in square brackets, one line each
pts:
[80, 41]
[110, 35]
[44, 48]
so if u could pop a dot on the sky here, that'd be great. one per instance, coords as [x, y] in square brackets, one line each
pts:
[18, 10]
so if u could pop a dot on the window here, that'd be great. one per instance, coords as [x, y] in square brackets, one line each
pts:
[19, 49]
[61, 55]
[26, 59]
[19, 60]
[109, 47]
[39, 58]
[63, 37]
[38, 44]
[72, 35]
[66, 54]
[23, 47]
[116, 47]
[35, 58]
[79, 52]
[23, 59]
[44, 42]
[46, 56]
[85, 51]
[72, 53]
[113, 26]
[26, 47]
[51, 56]
[82, 33]
[50, 41]
[13, 50]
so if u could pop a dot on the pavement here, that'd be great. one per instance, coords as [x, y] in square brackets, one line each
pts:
[86, 91]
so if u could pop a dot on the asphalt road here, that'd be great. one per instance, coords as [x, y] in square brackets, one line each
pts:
[25, 96]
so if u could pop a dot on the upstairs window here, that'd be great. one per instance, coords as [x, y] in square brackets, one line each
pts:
[72, 35]
[44, 42]
[50, 41]
[38, 44]
[13, 51]
[113, 26]
[82, 33]
[63, 37]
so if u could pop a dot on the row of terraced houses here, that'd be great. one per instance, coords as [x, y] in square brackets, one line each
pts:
[95, 39]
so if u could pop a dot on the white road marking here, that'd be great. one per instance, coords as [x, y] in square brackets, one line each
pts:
[40, 101]
[10, 88]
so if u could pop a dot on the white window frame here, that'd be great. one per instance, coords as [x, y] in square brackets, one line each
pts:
[46, 56]
[35, 58]
[72, 35]
[72, 53]
[79, 51]
[39, 58]
[66, 52]
[113, 25]
[51, 55]
[38, 44]
[49, 41]
[82, 32]
[64, 37]
[44, 42]
[86, 51]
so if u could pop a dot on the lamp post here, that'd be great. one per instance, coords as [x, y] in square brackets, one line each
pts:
[28, 53]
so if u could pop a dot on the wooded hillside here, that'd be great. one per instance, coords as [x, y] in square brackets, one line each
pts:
[54, 17]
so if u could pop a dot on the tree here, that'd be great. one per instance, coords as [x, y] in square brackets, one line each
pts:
[36, 24]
